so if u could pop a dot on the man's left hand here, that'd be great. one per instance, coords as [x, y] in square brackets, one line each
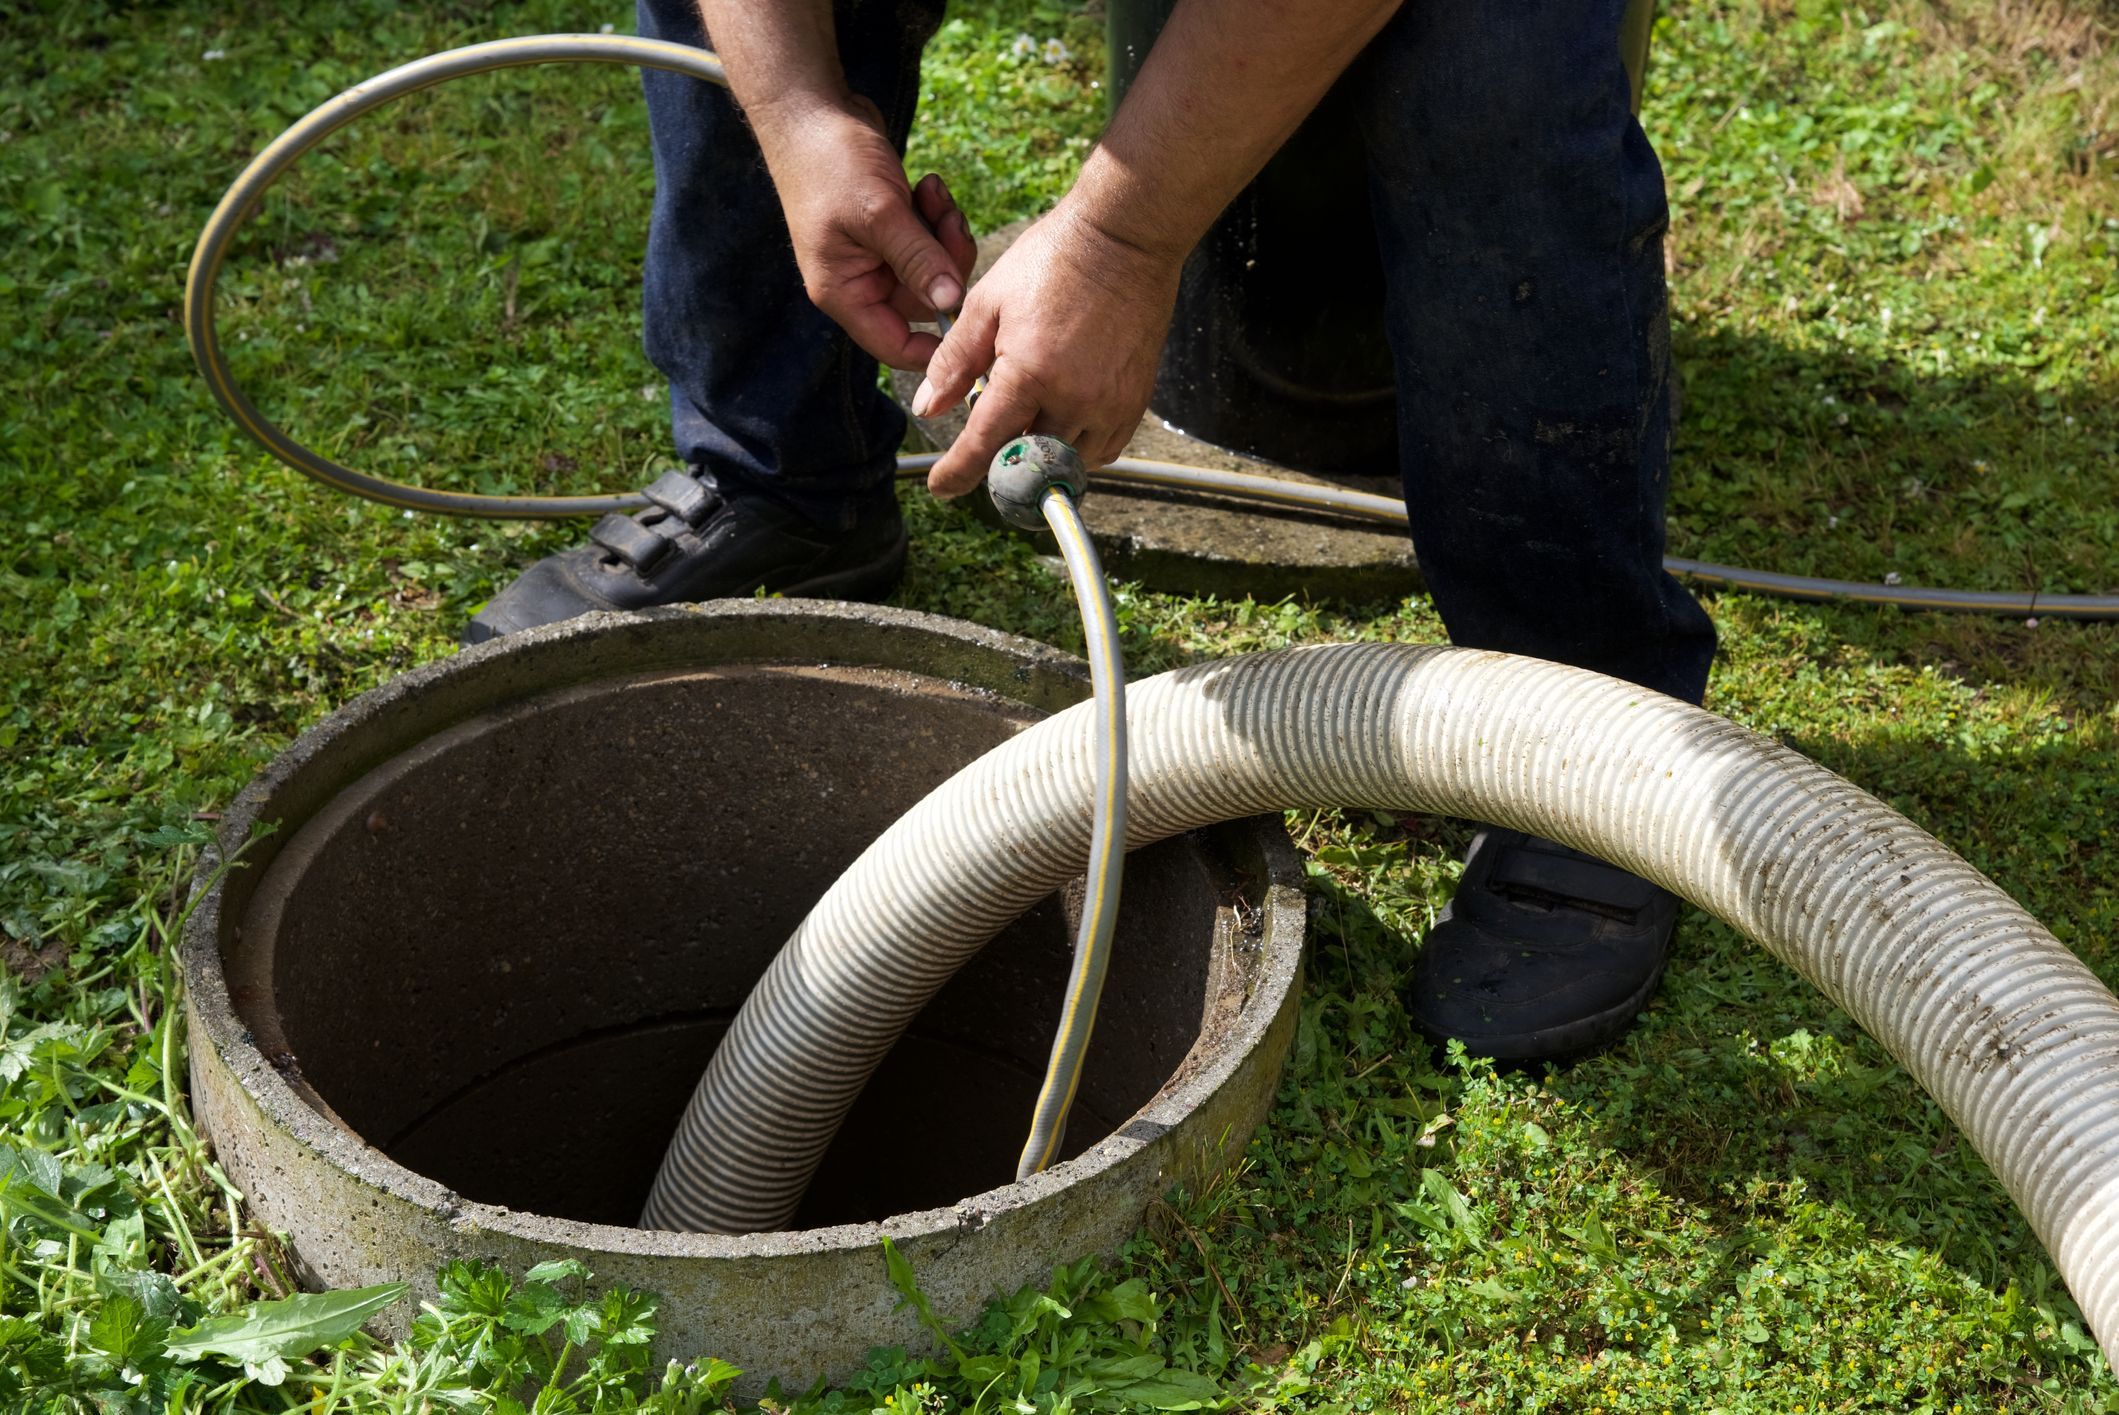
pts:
[1067, 327]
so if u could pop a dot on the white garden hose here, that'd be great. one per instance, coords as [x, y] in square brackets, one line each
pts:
[1107, 836]
[2012, 1035]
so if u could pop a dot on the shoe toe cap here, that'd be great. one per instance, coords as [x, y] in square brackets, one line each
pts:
[549, 591]
[1506, 999]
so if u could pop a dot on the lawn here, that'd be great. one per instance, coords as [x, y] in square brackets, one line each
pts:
[1895, 272]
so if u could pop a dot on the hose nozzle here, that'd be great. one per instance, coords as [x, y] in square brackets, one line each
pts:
[1026, 469]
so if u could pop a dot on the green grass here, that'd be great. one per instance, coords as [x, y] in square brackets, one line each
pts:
[1895, 269]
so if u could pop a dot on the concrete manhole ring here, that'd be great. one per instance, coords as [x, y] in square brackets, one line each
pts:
[451, 1005]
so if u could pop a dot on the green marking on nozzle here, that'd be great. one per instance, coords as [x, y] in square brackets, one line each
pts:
[1025, 470]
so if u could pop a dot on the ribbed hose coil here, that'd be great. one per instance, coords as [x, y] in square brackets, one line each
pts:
[2012, 1035]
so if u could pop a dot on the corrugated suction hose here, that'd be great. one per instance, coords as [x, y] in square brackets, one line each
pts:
[2012, 1035]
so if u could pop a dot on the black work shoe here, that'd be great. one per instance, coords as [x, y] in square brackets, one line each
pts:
[696, 542]
[1544, 953]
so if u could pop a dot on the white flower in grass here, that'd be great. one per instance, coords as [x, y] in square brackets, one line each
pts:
[1892, 578]
[1023, 48]
[213, 55]
[1056, 51]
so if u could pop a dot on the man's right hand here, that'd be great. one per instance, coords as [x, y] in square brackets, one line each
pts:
[876, 254]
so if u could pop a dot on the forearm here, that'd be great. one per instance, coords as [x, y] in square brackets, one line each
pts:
[782, 58]
[1227, 83]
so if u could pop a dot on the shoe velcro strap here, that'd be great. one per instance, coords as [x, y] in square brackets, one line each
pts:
[681, 495]
[1561, 879]
[630, 541]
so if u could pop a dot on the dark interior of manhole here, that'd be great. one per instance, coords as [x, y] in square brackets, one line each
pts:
[504, 956]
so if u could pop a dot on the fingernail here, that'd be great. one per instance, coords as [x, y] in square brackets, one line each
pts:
[923, 399]
[963, 224]
[944, 293]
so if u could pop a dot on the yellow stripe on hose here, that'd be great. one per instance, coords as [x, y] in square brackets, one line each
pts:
[1092, 943]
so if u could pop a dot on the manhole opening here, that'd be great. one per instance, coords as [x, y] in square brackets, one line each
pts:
[503, 957]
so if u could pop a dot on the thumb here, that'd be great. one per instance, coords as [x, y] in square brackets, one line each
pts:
[897, 234]
[966, 353]
[1006, 410]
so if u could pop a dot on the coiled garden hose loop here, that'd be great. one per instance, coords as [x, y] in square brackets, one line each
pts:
[241, 203]
[242, 199]
[2007, 1030]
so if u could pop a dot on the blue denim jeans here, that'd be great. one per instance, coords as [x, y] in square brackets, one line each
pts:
[765, 390]
[1519, 213]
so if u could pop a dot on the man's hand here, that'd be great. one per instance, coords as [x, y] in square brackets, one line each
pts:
[876, 254]
[1067, 327]
[1071, 321]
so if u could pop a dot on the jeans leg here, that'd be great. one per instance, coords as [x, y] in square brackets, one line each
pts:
[1520, 212]
[765, 391]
